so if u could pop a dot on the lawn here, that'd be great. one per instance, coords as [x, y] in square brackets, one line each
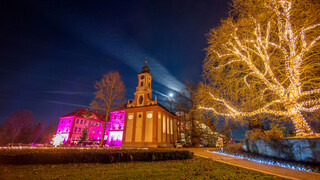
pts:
[196, 168]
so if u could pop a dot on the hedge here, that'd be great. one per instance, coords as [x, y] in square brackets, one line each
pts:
[65, 156]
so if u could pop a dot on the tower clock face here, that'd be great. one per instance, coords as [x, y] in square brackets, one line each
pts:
[142, 77]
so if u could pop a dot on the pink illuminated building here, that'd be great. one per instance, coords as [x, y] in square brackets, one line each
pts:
[71, 126]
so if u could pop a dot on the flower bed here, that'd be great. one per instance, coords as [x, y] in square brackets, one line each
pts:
[77, 155]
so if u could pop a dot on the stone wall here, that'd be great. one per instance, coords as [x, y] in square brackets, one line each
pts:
[307, 150]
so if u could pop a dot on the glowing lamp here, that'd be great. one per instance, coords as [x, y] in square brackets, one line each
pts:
[57, 140]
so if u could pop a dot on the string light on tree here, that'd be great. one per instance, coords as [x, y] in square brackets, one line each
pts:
[265, 42]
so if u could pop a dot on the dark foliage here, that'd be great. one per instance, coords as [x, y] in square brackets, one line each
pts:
[65, 156]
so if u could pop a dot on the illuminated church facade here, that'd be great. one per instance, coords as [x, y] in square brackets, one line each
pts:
[148, 123]
[142, 122]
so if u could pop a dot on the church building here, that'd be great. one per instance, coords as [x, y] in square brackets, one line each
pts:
[147, 123]
[142, 122]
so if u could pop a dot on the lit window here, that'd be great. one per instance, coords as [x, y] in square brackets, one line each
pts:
[164, 125]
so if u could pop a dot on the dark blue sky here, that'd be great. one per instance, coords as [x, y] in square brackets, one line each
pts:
[53, 51]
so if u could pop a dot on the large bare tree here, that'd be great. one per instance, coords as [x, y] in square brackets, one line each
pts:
[16, 123]
[264, 59]
[195, 126]
[110, 93]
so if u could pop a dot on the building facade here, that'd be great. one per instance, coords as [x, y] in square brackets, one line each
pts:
[71, 126]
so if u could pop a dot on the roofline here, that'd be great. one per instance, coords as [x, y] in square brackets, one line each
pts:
[158, 104]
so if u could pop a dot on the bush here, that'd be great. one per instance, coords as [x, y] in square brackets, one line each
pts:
[275, 133]
[256, 134]
[232, 148]
[65, 156]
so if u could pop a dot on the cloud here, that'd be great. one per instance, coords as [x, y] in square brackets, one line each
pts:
[158, 92]
[68, 104]
[68, 92]
[126, 50]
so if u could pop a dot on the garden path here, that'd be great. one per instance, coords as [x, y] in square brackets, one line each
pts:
[265, 168]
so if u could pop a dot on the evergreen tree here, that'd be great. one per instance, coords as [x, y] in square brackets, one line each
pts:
[84, 135]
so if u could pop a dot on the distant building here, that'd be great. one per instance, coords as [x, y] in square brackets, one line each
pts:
[71, 126]
[142, 122]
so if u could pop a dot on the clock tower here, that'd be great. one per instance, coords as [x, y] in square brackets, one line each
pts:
[143, 94]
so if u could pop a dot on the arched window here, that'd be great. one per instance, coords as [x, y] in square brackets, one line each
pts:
[140, 100]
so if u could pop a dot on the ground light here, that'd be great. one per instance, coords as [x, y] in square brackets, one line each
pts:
[271, 162]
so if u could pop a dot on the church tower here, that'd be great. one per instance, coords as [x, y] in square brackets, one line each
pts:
[143, 94]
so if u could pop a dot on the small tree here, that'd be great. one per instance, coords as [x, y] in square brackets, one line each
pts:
[110, 93]
[46, 135]
[84, 135]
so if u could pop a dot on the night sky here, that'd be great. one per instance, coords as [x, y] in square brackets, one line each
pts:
[52, 52]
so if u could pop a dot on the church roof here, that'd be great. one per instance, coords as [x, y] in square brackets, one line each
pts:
[145, 69]
[158, 104]
[85, 113]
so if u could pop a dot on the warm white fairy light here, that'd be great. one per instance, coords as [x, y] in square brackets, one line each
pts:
[293, 53]
[57, 140]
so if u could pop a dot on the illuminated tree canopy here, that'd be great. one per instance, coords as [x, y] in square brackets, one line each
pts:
[264, 59]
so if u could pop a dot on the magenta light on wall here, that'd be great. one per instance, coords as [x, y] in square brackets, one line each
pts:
[71, 127]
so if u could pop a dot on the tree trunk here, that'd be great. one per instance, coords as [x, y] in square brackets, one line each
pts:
[300, 124]
[194, 133]
[104, 130]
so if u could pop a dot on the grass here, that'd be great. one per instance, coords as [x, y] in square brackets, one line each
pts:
[196, 168]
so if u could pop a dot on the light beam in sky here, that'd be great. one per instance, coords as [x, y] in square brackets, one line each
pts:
[131, 54]
[112, 42]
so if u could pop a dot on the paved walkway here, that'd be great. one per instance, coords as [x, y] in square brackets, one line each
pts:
[265, 168]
